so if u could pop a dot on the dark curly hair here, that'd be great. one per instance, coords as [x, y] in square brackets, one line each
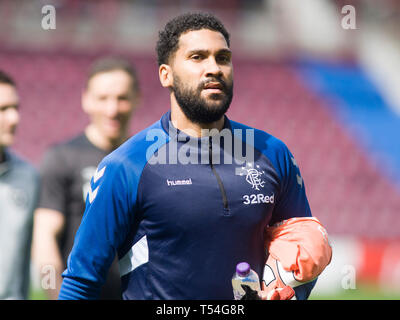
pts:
[6, 79]
[168, 39]
[112, 63]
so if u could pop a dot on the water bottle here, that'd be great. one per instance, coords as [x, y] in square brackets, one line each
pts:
[244, 275]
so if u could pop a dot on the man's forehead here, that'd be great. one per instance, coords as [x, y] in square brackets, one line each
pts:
[102, 80]
[203, 39]
[8, 94]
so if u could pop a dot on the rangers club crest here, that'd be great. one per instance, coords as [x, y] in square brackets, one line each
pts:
[253, 175]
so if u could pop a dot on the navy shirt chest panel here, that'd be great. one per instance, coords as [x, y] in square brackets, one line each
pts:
[186, 199]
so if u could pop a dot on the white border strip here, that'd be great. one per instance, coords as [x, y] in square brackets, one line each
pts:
[138, 255]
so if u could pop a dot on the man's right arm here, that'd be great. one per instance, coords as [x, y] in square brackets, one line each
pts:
[46, 255]
[49, 220]
[104, 227]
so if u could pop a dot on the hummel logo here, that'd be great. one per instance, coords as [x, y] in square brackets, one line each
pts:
[294, 162]
[96, 176]
[299, 180]
[179, 182]
[92, 194]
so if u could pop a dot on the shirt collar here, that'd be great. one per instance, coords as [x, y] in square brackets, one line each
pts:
[5, 165]
[169, 128]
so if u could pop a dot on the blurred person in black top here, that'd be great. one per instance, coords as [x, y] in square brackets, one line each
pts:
[109, 99]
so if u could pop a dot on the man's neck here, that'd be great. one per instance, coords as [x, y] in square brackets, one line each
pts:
[2, 154]
[182, 123]
[101, 142]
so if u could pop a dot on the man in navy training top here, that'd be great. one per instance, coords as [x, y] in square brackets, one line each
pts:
[178, 202]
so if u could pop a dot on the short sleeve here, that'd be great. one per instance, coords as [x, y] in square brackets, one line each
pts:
[54, 178]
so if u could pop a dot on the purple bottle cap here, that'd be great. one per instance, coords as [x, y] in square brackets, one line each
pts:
[242, 268]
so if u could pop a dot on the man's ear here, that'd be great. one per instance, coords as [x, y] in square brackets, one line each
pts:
[85, 100]
[165, 74]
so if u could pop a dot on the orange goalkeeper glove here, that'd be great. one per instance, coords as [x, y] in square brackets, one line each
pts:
[299, 251]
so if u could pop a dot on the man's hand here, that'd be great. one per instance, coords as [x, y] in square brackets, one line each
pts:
[250, 293]
[286, 293]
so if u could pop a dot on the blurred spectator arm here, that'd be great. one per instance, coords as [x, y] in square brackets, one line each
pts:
[46, 255]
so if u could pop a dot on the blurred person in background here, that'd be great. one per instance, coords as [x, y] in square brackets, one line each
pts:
[109, 99]
[19, 182]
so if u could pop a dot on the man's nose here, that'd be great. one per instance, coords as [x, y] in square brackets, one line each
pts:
[112, 107]
[12, 116]
[213, 68]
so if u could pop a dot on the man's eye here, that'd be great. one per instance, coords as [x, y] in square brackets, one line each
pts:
[196, 57]
[224, 59]
[8, 107]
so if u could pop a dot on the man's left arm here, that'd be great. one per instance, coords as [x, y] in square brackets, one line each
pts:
[293, 229]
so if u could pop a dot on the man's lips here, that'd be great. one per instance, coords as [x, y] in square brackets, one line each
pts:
[113, 123]
[214, 87]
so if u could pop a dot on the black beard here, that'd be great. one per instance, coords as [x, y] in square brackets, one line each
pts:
[196, 108]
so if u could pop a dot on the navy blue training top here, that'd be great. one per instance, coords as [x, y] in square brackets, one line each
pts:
[181, 212]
